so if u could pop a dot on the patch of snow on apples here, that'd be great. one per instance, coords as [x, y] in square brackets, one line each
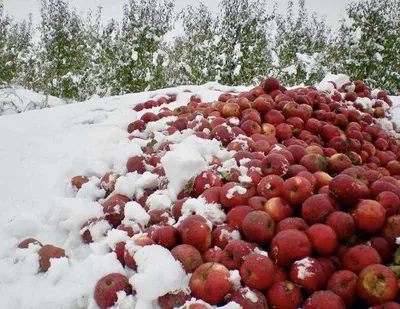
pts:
[159, 200]
[302, 269]
[236, 189]
[250, 295]
[235, 279]
[135, 212]
[158, 269]
[180, 165]
[234, 235]
[213, 213]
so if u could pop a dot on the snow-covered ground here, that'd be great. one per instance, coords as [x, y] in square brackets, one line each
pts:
[40, 152]
[18, 100]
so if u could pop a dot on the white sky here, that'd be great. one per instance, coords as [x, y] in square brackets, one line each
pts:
[333, 10]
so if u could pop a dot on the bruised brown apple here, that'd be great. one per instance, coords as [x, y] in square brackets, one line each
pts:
[376, 284]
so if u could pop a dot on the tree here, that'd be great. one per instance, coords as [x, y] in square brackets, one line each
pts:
[368, 44]
[15, 49]
[231, 48]
[63, 55]
[139, 58]
[300, 45]
[244, 30]
[193, 56]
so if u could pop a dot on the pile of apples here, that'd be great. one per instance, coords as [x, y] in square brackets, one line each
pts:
[312, 204]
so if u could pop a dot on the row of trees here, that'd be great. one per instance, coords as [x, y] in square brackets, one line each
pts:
[76, 57]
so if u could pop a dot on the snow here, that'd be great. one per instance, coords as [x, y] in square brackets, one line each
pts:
[250, 295]
[302, 266]
[157, 269]
[212, 212]
[236, 189]
[234, 278]
[18, 100]
[43, 149]
[135, 212]
[339, 79]
[180, 165]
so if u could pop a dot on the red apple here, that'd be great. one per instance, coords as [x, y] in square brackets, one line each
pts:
[105, 292]
[316, 208]
[248, 298]
[358, 257]
[48, 252]
[224, 233]
[278, 209]
[173, 300]
[324, 299]
[258, 227]
[323, 239]
[340, 189]
[233, 194]
[343, 283]
[270, 186]
[26, 242]
[314, 163]
[189, 257]
[78, 181]
[390, 201]
[114, 207]
[210, 282]
[391, 229]
[369, 216]
[296, 190]
[235, 253]
[377, 284]
[308, 274]
[167, 236]
[284, 295]
[291, 223]
[342, 223]
[288, 246]
[195, 232]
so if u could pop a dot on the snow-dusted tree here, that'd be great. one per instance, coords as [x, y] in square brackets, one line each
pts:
[139, 58]
[244, 46]
[231, 48]
[301, 43]
[6, 74]
[15, 49]
[63, 50]
[368, 43]
[94, 73]
[194, 56]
